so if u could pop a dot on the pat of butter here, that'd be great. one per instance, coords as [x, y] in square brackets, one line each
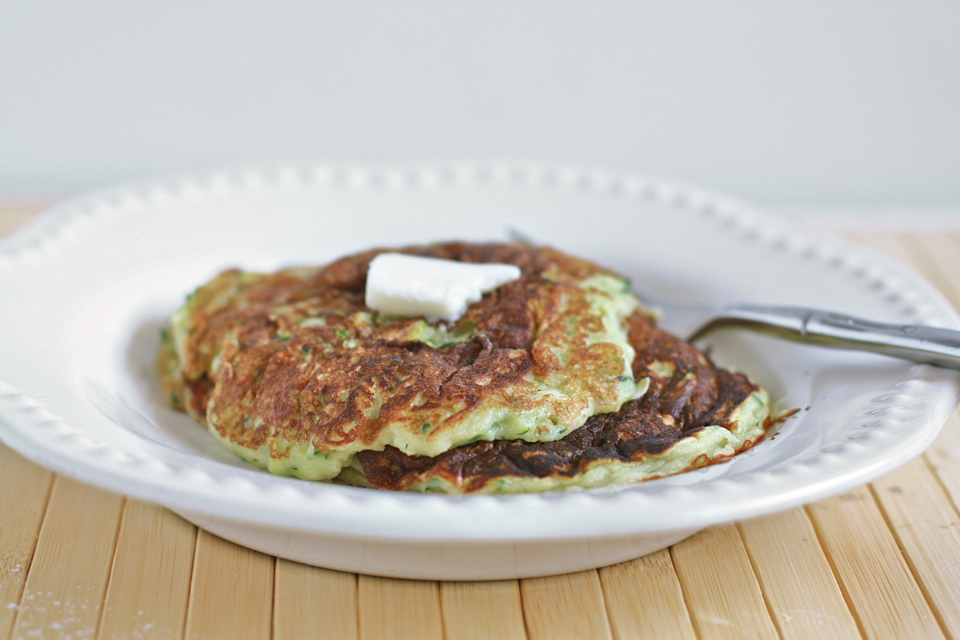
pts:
[436, 289]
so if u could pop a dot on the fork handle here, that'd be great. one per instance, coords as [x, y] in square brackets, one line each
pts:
[918, 343]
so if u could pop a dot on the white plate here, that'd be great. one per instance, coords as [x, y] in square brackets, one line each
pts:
[85, 288]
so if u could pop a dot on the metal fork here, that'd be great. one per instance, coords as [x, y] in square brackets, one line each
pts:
[917, 343]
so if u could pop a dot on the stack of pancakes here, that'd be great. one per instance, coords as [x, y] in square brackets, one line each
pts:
[557, 380]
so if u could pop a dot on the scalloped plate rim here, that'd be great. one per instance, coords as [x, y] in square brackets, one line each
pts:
[52, 222]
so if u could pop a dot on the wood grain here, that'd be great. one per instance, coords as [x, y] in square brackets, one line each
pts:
[312, 602]
[944, 458]
[927, 528]
[797, 582]
[24, 490]
[939, 261]
[719, 586]
[875, 579]
[150, 581]
[482, 610]
[644, 599]
[231, 593]
[65, 587]
[399, 609]
[567, 606]
[920, 500]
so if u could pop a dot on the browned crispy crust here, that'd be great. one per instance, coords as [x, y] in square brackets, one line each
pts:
[280, 381]
[696, 395]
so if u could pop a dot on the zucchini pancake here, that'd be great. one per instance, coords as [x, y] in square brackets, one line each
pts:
[556, 380]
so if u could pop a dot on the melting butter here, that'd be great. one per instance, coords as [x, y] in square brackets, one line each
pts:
[436, 289]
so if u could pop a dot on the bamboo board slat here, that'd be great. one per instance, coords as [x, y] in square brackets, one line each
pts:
[150, 581]
[944, 458]
[927, 527]
[796, 579]
[68, 576]
[391, 609]
[481, 610]
[570, 606]
[876, 580]
[24, 489]
[309, 599]
[720, 587]
[919, 504]
[231, 592]
[644, 599]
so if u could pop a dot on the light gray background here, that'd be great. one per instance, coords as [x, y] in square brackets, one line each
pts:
[794, 103]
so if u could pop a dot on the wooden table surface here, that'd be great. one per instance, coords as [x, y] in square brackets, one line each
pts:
[882, 561]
